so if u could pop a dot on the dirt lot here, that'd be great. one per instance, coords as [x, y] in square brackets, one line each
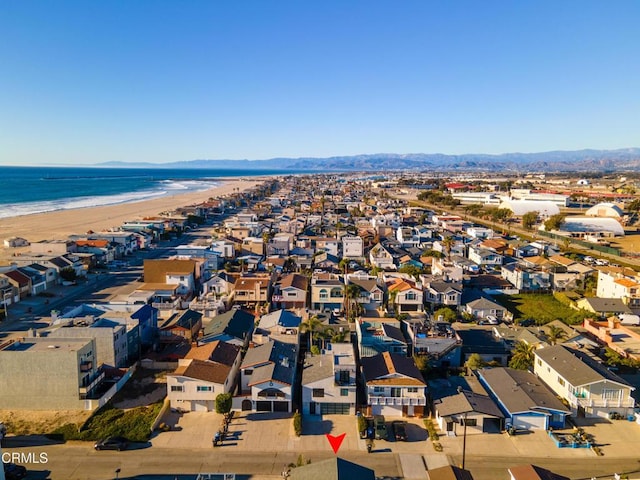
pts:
[29, 422]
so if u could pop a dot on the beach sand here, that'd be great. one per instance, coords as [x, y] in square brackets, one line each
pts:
[62, 223]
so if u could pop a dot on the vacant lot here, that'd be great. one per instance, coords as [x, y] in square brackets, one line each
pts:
[543, 308]
[34, 422]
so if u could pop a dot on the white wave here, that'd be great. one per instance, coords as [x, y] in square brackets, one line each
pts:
[166, 189]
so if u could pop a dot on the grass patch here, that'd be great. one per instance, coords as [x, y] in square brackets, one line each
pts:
[543, 308]
[134, 424]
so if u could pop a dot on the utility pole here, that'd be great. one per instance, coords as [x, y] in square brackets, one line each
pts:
[464, 440]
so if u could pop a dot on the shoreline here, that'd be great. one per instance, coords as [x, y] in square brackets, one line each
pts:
[59, 224]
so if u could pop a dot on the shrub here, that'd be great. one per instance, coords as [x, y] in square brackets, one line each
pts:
[224, 403]
[297, 423]
[431, 429]
[362, 423]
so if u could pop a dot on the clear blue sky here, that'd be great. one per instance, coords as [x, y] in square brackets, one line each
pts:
[152, 80]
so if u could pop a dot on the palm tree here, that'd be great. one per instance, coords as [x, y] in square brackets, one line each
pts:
[309, 327]
[522, 357]
[555, 333]
[448, 243]
[351, 293]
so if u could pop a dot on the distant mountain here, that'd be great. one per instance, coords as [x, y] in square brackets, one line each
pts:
[627, 159]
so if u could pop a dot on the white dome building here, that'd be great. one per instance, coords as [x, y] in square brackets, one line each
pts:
[605, 210]
[520, 207]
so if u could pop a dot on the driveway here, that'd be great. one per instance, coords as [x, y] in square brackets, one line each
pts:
[188, 430]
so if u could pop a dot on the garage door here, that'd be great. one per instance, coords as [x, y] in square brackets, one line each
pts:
[280, 406]
[334, 408]
[529, 422]
[386, 410]
[200, 406]
[262, 406]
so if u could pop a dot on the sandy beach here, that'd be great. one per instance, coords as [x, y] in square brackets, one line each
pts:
[59, 224]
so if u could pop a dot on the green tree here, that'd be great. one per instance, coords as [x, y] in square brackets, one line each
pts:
[432, 253]
[68, 274]
[224, 403]
[448, 315]
[411, 270]
[634, 206]
[529, 219]
[522, 356]
[475, 362]
[554, 222]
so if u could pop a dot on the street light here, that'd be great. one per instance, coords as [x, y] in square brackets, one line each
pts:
[5, 295]
[117, 473]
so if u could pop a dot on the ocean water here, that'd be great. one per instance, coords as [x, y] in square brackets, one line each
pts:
[27, 190]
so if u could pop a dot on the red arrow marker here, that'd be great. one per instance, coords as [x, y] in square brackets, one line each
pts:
[335, 441]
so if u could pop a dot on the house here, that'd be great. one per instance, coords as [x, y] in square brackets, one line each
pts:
[603, 307]
[437, 340]
[533, 472]
[40, 277]
[267, 377]
[405, 295]
[615, 334]
[110, 338]
[371, 296]
[290, 291]
[49, 374]
[376, 335]
[20, 281]
[526, 402]
[234, 326]
[183, 326]
[589, 387]
[481, 341]
[204, 373]
[449, 472]
[352, 247]
[15, 242]
[484, 257]
[329, 381]
[220, 283]
[483, 307]
[327, 291]
[184, 274]
[526, 279]
[478, 413]
[281, 325]
[613, 283]
[394, 385]
[441, 292]
[250, 291]
[332, 469]
[381, 257]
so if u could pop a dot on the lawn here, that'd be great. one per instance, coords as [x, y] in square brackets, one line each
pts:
[543, 308]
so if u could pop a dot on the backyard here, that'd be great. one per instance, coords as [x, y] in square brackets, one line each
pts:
[542, 308]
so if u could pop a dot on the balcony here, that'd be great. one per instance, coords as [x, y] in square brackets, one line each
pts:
[377, 400]
[604, 403]
[85, 391]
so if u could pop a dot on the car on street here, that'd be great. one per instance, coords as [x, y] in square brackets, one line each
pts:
[112, 443]
[380, 427]
[399, 429]
[13, 471]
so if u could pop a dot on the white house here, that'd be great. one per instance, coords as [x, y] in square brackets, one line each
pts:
[590, 388]
[329, 381]
[352, 247]
[202, 375]
[394, 385]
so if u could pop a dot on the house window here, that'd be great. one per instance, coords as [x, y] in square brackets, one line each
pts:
[323, 294]
[182, 279]
[561, 381]
[410, 296]
[539, 362]
[610, 394]
[451, 298]
[318, 392]
[378, 389]
[471, 422]
[291, 294]
[248, 371]
[203, 388]
[177, 388]
[396, 392]
[412, 389]
[344, 392]
[343, 376]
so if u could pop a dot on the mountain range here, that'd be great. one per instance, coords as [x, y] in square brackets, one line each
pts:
[621, 160]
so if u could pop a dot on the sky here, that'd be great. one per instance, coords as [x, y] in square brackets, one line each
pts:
[160, 81]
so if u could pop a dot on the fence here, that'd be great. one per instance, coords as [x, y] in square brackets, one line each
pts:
[582, 243]
[93, 404]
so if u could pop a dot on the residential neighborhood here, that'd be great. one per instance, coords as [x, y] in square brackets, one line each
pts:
[342, 301]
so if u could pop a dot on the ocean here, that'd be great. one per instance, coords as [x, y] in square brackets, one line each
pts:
[26, 190]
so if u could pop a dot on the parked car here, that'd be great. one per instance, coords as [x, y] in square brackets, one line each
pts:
[112, 443]
[13, 471]
[399, 429]
[380, 427]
